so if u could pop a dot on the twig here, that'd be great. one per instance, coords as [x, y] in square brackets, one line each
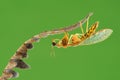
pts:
[16, 60]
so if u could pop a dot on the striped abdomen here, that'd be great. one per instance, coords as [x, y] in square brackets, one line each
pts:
[90, 31]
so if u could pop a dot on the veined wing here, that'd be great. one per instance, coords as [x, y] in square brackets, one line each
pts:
[97, 37]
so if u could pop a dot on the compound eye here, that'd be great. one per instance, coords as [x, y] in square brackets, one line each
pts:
[53, 43]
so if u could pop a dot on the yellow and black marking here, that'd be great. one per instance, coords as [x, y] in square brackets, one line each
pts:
[90, 31]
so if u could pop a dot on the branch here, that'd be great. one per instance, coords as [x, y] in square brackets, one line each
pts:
[16, 60]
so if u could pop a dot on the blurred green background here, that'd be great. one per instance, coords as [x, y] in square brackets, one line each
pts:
[22, 19]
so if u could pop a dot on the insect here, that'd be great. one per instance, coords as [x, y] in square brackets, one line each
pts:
[87, 38]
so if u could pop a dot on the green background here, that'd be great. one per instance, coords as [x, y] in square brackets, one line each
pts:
[22, 19]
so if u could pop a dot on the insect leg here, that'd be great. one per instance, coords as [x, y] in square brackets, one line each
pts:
[78, 34]
[55, 40]
[81, 28]
[87, 25]
[66, 34]
[70, 39]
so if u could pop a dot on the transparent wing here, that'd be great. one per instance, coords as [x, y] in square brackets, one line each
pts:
[98, 37]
